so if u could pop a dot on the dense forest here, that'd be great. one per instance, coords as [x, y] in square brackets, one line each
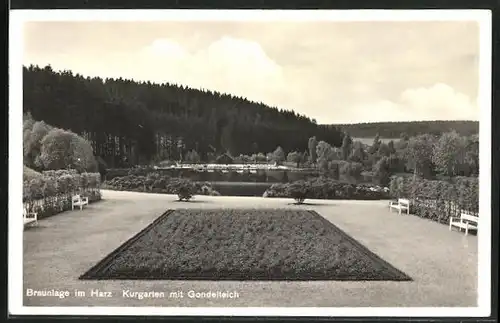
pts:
[411, 128]
[129, 122]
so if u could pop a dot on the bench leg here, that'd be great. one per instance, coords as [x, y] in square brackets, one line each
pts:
[466, 230]
[81, 207]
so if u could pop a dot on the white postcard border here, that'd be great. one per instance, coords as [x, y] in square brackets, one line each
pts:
[15, 228]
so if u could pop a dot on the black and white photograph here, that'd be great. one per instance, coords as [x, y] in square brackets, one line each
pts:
[250, 162]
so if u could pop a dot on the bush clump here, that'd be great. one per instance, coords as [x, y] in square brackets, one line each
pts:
[185, 189]
[327, 188]
[299, 191]
[155, 182]
[29, 174]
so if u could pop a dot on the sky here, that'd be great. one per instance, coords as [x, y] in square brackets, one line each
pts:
[334, 72]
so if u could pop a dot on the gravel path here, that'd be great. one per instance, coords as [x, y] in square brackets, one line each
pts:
[443, 264]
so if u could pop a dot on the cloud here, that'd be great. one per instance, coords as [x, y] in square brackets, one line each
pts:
[331, 71]
[440, 100]
[229, 65]
[437, 102]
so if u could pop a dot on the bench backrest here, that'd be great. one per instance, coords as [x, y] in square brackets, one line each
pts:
[76, 198]
[470, 218]
[404, 202]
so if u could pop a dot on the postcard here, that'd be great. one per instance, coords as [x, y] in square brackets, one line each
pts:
[250, 162]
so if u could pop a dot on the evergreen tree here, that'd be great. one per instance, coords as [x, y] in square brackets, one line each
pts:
[126, 120]
[346, 146]
[312, 143]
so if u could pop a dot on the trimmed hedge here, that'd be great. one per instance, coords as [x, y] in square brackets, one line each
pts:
[156, 183]
[51, 193]
[438, 200]
[325, 188]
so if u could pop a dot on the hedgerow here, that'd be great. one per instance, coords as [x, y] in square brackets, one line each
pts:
[158, 183]
[438, 200]
[326, 188]
[51, 192]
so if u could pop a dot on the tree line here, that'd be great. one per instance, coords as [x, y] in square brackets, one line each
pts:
[411, 128]
[129, 122]
[425, 156]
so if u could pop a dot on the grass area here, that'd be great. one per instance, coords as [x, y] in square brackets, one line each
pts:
[243, 244]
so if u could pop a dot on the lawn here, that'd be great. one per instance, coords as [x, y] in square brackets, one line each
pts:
[243, 244]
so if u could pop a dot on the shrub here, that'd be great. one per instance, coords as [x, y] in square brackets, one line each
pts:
[276, 190]
[29, 174]
[299, 191]
[59, 172]
[207, 189]
[185, 189]
[351, 170]
[326, 188]
[61, 149]
[381, 171]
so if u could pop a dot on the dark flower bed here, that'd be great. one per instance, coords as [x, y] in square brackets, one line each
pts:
[243, 245]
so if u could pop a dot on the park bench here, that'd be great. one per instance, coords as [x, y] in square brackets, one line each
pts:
[78, 200]
[400, 205]
[30, 217]
[465, 221]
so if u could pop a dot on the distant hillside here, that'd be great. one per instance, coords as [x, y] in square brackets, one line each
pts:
[411, 128]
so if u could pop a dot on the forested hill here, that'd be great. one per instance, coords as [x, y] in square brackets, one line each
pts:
[411, 128]
[154, 121]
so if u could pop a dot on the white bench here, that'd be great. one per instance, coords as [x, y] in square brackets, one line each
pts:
[30, 217]
[400, 205]
[465, 221]
[80, 201]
